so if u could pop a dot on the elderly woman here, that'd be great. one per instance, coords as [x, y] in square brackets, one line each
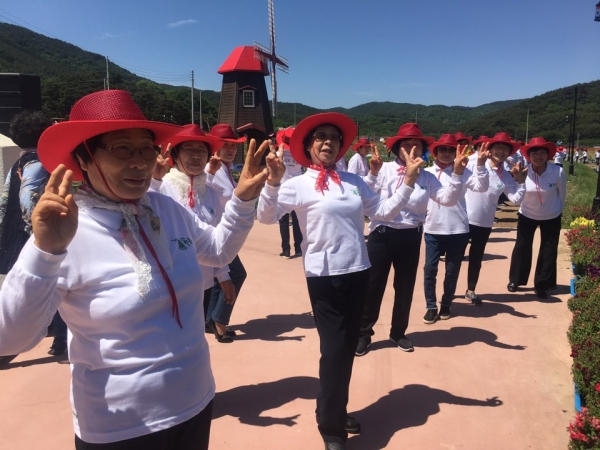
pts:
[122, 267]
[186, 184]
[330, 207]
[446, 229]
[358, 163]
[397, 240]
[481, 206]
[542, 206]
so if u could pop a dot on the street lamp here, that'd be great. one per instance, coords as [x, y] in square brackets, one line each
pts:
[582, 95]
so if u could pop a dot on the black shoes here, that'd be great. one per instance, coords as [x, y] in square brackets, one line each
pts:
[285, 254]
[58, 348]
[512, 287]
[335, 446]
[431, 316]
[364, 342]
[352, 426]
[221, 338]
[541, 293]
[444, 312]
[473, 298]
[403, 344]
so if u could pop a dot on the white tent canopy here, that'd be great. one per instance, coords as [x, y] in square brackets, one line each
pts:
[9, 154]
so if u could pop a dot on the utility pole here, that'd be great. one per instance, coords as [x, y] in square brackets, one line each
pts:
[107, 76]
[200, 108]
[527, 129]
[192, 96]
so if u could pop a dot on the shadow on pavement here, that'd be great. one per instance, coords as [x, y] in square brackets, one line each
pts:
[247, 403]
[489, 257]
[6, 364]
[522, 297]
[407, 407]
[272, 327]
[501, 239]
[489, 310]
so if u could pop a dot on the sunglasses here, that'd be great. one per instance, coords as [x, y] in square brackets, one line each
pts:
[126, 151]
[322, 136]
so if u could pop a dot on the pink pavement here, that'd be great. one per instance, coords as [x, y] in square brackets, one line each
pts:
[491, 377]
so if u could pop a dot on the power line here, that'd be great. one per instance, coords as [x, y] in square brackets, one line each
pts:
[24, 21]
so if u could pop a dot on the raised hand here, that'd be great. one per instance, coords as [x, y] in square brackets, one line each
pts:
[253, 175]
[413, 165]
[461, 160]
[483, 154]
[275, 165]
[214, 164]
[54, 219]
[519, 172]
[162, 164]
[376, 162]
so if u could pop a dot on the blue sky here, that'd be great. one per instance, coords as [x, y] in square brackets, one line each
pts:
[342, 53]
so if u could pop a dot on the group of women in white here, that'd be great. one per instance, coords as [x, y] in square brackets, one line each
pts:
[141, 375]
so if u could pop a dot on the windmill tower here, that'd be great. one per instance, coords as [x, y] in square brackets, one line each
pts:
[265, 54]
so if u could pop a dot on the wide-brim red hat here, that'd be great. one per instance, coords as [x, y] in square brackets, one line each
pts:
[94, 114]
[503, 138]
[480, 140]
[192, 132]
[445, 140]
[409, 131]
[362, 142]
[539, 142]
[346, 125]
[284, 136]
[460, 136]
[224, 132]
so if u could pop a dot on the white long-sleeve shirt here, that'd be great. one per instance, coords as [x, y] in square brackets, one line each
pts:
[134, 371]
[545, 194]
[481, 206]
[427, 187]
[453, 219]
[358, 164]
[292, 168]
[222, 182]
[208, 208]
[332, 222]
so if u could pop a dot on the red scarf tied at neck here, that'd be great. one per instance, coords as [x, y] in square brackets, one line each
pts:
[442, 166]
[322, 184]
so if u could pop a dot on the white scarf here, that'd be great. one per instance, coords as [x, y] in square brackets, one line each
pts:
[183, 183]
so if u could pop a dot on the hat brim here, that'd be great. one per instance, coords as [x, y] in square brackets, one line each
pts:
[514, 145]
[280, 141]
[214, 144]
[433, 147]
[427, 140]
[59, 140]
[346, 125]
[232, 140]
[356, 146]
[548, 146]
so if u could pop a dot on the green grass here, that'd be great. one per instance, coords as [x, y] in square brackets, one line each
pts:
[581, 190]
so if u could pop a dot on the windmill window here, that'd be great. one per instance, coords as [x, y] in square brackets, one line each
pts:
[248, 98]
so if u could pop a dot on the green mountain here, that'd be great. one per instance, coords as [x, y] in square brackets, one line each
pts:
[68, 73]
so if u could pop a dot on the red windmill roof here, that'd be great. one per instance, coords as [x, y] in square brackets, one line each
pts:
[242, 59]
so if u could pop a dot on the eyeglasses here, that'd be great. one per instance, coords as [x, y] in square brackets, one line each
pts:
[322, 136]
[126, 151]
[194, 151]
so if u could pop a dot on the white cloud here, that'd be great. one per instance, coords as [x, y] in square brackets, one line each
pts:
[181, 22]
[107, 36]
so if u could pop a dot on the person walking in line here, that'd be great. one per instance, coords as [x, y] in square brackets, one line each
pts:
[218, 314]
[446, 229]
[358, 163]
[584, 156]
[481, 206]
[330, 208]
[559, 156]
[292, 169]
[396, 241]
[542, 206]
[188, 152]
[122, 265]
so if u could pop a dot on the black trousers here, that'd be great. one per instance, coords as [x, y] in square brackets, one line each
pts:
[193, 434]
[284, 229]
[520, 262]
[337, 302]
[479, 238]
[400, 248]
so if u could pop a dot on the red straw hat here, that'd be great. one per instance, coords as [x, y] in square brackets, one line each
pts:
[94, 114]
[225, 132]
[460, 136]
[192, 132]
[445, 140]
[409, 131]
[480, 140]
[344, 123]
[363, 141]
[503, 138]
[539, 142]
[284, 136]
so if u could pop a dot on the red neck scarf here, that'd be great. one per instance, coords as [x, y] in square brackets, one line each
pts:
[401, 171]
[442, 167]
[322, 183]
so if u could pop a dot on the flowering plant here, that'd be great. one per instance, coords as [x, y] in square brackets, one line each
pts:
[584, 239]
[584, 431]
